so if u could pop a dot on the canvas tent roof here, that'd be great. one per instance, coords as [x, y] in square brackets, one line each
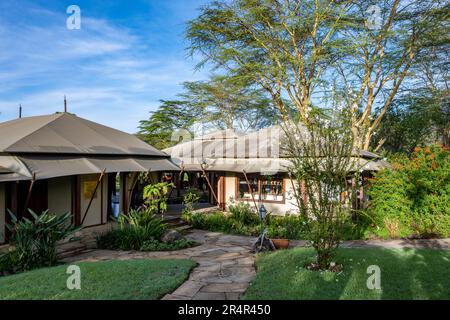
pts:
[63, 144]
[69, 134]
[257, 151]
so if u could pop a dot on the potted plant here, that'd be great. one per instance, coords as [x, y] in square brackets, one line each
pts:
[282, 242]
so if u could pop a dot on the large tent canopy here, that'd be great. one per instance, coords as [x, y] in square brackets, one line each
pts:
[256, 152]
[63, 144]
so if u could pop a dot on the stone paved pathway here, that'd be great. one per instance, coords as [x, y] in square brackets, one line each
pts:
[225, 265]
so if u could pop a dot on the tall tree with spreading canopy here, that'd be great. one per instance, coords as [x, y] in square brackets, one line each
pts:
[230, 103]
[384, 43]
[219, 103]
[290, 48]
[281, 45]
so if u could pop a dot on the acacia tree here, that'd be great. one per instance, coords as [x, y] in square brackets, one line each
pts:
[170, 116]
[291, 47]
[322, 158]
[221, 102]
[281, 45]
[384, 41]
[229, 103]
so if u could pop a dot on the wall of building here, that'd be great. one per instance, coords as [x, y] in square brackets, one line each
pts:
[289, 205]
[60, 195]
[2, 212]
[97, 213]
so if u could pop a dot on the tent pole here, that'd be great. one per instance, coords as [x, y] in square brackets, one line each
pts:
[92, 196]
[179, 183]
[30, 190]
[209, 184]
[251, 190]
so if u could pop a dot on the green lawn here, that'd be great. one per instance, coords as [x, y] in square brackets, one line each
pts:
[405, 274]
[130, 279]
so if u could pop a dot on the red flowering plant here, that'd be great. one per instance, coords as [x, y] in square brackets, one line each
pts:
[413, 198]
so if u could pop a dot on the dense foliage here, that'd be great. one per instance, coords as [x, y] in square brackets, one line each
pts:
[190, 200]
[135, 228]
[34, 241]
[362, 53]
[142, 229]
[242, 220]
[413, 198]
[221, 102]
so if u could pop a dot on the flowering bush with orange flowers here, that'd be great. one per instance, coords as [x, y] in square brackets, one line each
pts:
[413, 196]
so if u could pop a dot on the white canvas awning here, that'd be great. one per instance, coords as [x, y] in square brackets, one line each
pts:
[256, 152]
[259, 165]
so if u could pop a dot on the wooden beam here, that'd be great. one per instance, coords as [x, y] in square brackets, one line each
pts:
[250, 189]
[30, 190]
[93, 195]
[209, 184]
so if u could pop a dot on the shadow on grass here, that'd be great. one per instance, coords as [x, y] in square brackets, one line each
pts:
[405, 274]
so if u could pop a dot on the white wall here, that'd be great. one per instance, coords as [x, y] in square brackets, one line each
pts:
[289, 206]
[2, 213]
[60, 195]
[130, 179]
[95, 215]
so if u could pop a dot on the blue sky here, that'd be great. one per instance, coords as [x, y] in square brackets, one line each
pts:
[127, 55]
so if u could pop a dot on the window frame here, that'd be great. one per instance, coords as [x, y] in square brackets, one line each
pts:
[259, 191]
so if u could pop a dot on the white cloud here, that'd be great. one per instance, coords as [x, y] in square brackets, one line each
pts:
[109, 73]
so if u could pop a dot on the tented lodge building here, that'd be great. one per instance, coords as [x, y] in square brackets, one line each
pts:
[253, 167]
[64, 163]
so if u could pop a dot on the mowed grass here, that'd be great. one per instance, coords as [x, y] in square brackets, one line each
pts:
[405, 274]
[110, 280]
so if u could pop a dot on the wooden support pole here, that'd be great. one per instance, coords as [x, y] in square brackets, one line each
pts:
[209, 184]
[93, 195]
[250, 189]
[30, 190]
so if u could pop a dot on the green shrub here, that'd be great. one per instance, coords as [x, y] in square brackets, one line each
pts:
[113, 240]
[244, 222]
[142, 224]
[190, 200]
[413, 198]
[35, 240]
[10, 263]
[155, 196]
[155, 245]
[241, 211]
[134, 229]
[287, 226]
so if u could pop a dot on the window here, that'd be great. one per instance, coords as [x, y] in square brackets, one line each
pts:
[265, 188]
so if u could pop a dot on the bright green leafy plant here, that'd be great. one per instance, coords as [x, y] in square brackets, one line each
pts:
[34, 240]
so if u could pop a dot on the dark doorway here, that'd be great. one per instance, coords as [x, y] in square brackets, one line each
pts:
[38, 198]
[16, 197]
